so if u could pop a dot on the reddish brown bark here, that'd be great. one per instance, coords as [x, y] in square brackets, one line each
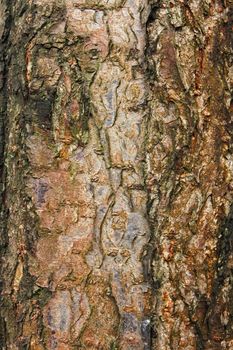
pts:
[116, 177]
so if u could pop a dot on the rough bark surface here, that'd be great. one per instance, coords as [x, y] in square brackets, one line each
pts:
[116, 175]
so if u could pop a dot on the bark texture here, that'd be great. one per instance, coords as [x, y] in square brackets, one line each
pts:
[116, 175]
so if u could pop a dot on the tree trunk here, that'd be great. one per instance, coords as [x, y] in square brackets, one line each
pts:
[116, 174]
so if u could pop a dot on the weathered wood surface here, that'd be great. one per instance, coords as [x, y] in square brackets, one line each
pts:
[116, 174]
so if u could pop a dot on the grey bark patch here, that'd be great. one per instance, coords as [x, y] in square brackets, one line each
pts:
[41, 188]
[43, 110]
[130, 323]
[146, 333]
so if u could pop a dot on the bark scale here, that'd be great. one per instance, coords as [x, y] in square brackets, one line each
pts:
[116, 181]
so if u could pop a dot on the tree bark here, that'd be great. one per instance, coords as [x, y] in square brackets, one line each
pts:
[116, 174]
